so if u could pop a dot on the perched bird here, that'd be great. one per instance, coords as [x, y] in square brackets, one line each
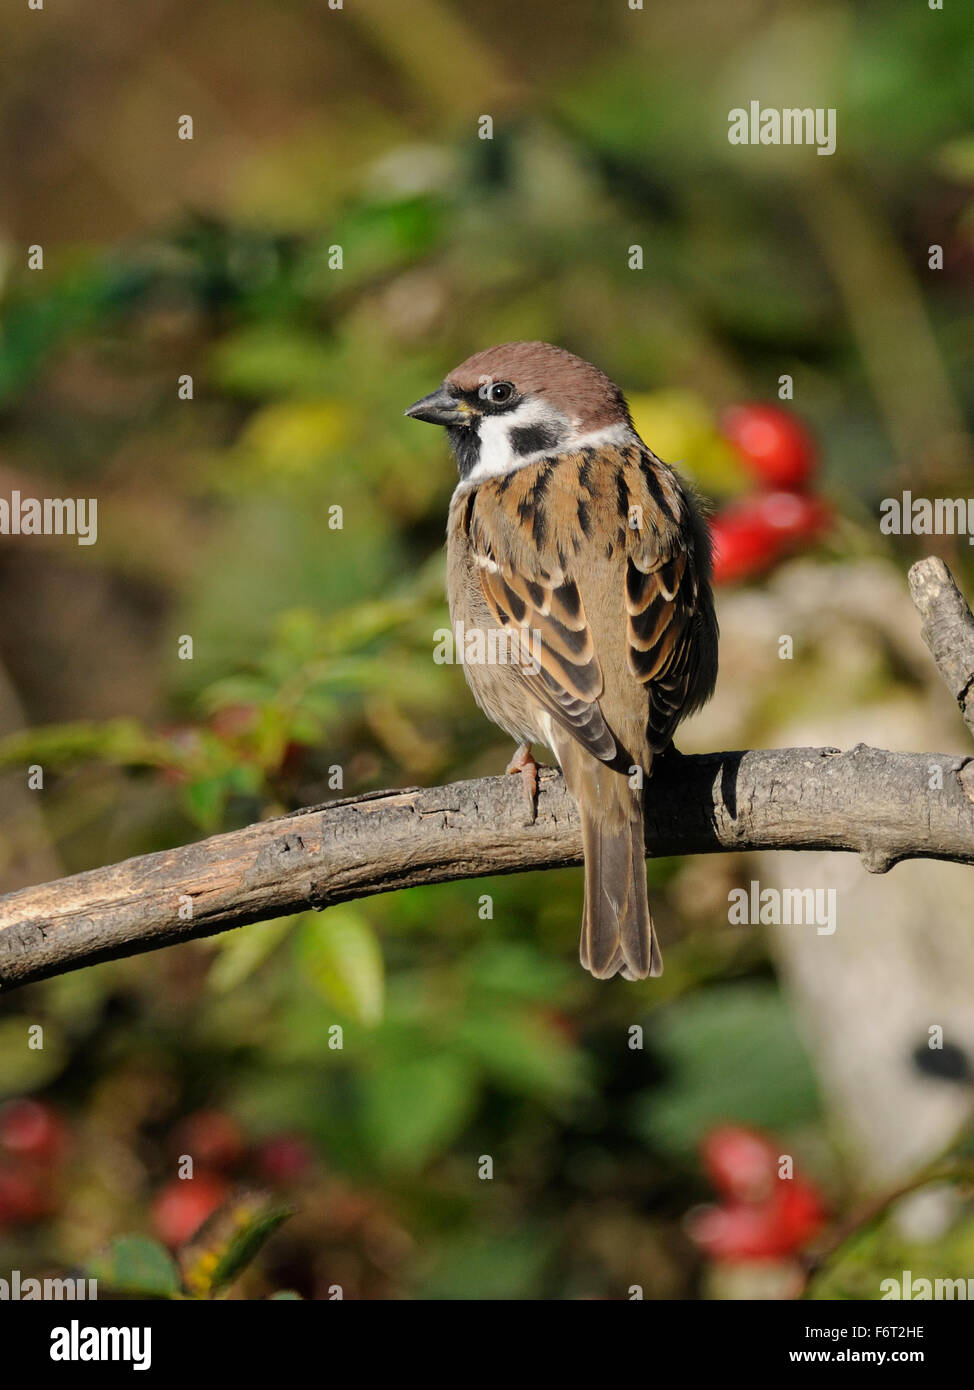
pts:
[567, 531]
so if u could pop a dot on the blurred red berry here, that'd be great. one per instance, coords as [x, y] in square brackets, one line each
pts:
[792, 514]
[283, 1158]
[743, 545]
[741, 1163]
[736, 1232]
[775, 446]
[31, 1129]
[765, 1216]
[800, 1210]
[25, 1196]
[182, 1206]
[750, 535]
[762, 1231]
[211, 1138]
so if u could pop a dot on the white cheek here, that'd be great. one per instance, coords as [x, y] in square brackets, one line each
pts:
[497, 457]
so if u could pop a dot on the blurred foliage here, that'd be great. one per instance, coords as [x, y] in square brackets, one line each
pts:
[216, 1258]
[290, 522]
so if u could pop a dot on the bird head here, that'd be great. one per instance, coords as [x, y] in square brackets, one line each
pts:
[510, 405]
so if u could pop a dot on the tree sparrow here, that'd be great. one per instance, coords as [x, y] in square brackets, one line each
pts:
[570, 536]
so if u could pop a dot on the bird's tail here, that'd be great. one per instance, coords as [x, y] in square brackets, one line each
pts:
[617, 928]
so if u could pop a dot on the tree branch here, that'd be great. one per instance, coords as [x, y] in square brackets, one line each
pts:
[877, 804]
[948, 630]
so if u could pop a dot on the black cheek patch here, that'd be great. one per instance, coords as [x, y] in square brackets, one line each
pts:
[532, 439]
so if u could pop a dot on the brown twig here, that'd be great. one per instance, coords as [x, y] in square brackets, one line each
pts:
[871, 1212]
[948, 630]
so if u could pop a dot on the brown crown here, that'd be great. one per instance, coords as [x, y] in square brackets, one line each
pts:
[582, 392]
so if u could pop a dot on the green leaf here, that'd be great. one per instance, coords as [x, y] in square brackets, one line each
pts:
[270, 360]
[205, 799]
[732, 1053]
[340, 955]
[24, 1068]
[517, 970]
[229, 1241]
[413, 1108]
[122, 742]
[136, 1264]
[522, 1052]
[239, 953]
[480, 1266]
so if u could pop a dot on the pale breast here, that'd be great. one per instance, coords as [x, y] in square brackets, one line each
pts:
[490, 670]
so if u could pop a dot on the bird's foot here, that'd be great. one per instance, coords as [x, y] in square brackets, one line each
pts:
[523, 762]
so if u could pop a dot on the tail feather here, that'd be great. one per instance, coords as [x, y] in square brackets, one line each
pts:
[617, 927]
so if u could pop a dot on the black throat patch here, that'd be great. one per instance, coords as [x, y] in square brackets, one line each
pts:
[465, 443]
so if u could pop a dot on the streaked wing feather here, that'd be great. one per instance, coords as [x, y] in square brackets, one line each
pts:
[562, 672]
[531, 593]
[662, 591]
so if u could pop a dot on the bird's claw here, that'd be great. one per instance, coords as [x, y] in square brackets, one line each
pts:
[524, 763]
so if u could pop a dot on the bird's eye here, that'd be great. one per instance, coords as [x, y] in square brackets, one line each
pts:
[499, 392]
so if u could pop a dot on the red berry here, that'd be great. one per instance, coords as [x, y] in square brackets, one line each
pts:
[182, 1206]
[284, 1158]
[211, 1138]
[792, 514]
[763, 1231]
[750, 535]
[735, 1232]
[800, 1211]
[741, 1163]
[775, 446]
[24, 1197]
[766, 1216]
[31, 1129]
[743, 545]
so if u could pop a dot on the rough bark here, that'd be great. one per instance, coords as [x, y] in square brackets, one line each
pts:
[948, 630]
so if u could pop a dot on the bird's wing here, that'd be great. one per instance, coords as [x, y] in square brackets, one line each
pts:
[531, 531]
[663, 596]
[526, 581]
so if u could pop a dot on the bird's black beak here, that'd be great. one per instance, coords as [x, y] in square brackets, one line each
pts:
[441, 408]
